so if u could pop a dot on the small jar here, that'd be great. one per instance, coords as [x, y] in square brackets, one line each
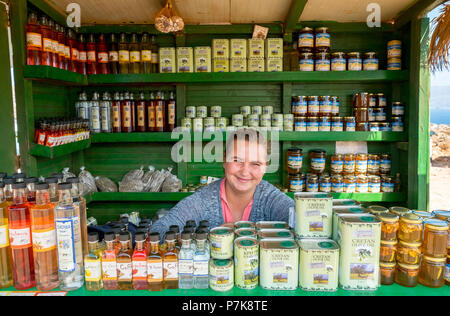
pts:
[361, 100]
[337, 164]
[312, 124]
[362, 127]
[435, 238]
[299, 105]
[306, 40]
[237, 120]
[377, 209]
[338, 61]
[389, 226]
[374, 127]
[385, 127]
[324, 124]
[397, 124]
[354, 61]
[432, 271]
[361, 164]
[294, 161]
[407, 275]
[380, 114]
[362, 184]
[373, 164]
[300, 124]
[337, 184]
[322, 62]
[304, 181]
[349, 184]
[387, 184]
[322, 40]
[306, 61]
[312, 183]
[349, 164]
[335, 104]
[370, 61]
[372, 100]
[381, 100]
[349, 123]
[371, 115]
[325, 184]
[374, 184]
[336, 124]
[388, 250]
[325, 105]
[313, 106]
[385, 164]
[387, 273]
[410, 228]
[318, 158]
[361, 115]
[295, 182]
[398, 109]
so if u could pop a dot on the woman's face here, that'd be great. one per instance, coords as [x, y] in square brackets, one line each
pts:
[245, 167]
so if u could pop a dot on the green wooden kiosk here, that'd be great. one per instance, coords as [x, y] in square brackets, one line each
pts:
[43, 91]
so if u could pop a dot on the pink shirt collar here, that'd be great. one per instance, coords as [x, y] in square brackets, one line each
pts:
[226, 211]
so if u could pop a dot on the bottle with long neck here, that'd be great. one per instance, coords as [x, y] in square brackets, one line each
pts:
[94, 113]
[160, 112]
[55, 58]
[105, 113]
[155, 264]
[126, 113]
[82, 55]
[93, 265]
[74, 52]
[141, 123]
[102, 56]
[116, 114]
[146, 54]
[61, 47]
[151, 113]
[155, 56]
[113, 55]
[124, 54]
[91, 55]
[201, 262]
[124, 263]
[140, 263]
[70, 250]
[8, 190]
[34, 40]
[20, 239]
[170, 113]
[186, 262]
[170, 261]
[6, 276]
[135, 55]
[47, 45]
[80, 206]
[44, 240]
[109, 263]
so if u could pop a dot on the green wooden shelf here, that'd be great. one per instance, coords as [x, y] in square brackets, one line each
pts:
[56, 75]
[368, 197]
[58, 151]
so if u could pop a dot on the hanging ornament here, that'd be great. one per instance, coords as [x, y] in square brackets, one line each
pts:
[167, 20]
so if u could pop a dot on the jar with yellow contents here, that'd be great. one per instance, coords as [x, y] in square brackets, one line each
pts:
[387, 273]
[389, 226]
[388, 250]
[408, 253]
[432, 272]
[435, 239]
[410, 228]
[407, 275]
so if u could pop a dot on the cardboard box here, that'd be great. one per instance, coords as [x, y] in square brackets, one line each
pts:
[238, 48]
[274, 48]
[255, 48]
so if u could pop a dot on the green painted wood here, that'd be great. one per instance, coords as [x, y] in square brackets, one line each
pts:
[418, 9]
[368, 197]
[48, 9]
[46, 166]
[58, 151]
[294, 13]
[54, 75]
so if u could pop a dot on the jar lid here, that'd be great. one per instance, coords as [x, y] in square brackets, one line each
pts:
[306, 29]
[398, 103]
[436, 224]
[434, 259]
[411, 219]
[388, 264]
[321, 29]
[410, 244]
[399, 210]
[389, 243]
[357, 54]
[388, 217]
[409, 266]
[338, 54]
[318, 151]
[423, 214]
[295, 149]
[380, 94]
[442, 214]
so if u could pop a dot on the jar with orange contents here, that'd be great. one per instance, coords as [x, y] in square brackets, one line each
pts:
[349, 164]
[361, 164]
[435, 238]
[388, 250]
[349, 184]
[389, 226]
[407, 275]
[408, 253]
[362, 184]
[410, 228]
[387, 273]
[337, 164]
[447, 271]
[432, 272]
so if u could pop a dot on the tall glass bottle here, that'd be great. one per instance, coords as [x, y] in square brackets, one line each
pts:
[102, 56]
[105, 113]
[82, 55]
[44, 240]
[94, 115]
[160, 112]
[155, 56]
[135, 55]
[74, 52]
[133, 112]
[8, 191]
[146, 54]
[201, 262]
[91, 49]
[186, 262]
[113, 55]
[6, 276]
[34, 40]
[20, 239]
[93, 265]
[116, 114]
[141, 123]
[109, 263]
[126, 114]
[30, 190]
[140, 263]
[171, 113]
[55, 58]
[151, 113]
[47, 45]
[80, 206]
[66, 49]
[124, 263]
[124, 54]
[70, 251]
[53, 189]
[170, 262]
[155, 264]
[61, 47]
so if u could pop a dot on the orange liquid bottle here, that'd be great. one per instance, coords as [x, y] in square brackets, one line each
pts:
[124, 263]
[47, 42]
[155, 264]
[109, 263]
[140, 263]
[6, 276]
[34, 40]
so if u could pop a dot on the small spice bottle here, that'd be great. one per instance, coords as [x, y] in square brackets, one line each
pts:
[408, 253]
[388, 250]
[435, 240]
[407, 275]
[387, 273]
[410, 228]
[294, 158]
[389, 226]
[432, 271]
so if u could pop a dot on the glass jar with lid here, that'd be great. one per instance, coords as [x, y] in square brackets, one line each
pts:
[354, 61]
[372, 100]
[387, 273]
[349, 164]
[385, 164]
[294, 161]
[370, 61]
[335, 104]
[374, 184]
[312, 124]
[336, 124]
[349, 124]
[361, 164]
[362, 184]
[295, 182]
[325, 184]
[408, 252]
[381, 100]
[299, 105]
[306, 40]
[388, 250]
[435, 238]
[387, 184]
[322, 40]
[361, 115]
[325, 105]
[389, 226]
[349, 184]
[432, 271]
[300, 124]
[318, 158]
[306, 61]
[373, 164]
[410, 228]
[337, 164]
[312, 183]
[324, 124]
[337, 184]
[313, 106]
[322, 62]
[362, 127]
[447, 273]
[397, 124]
[338, 61]
[407, 275]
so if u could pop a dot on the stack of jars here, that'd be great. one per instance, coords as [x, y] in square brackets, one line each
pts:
[398, 116]
[314, 48]
[369, 110]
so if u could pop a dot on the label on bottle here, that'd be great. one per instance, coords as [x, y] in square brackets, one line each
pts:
[116, 116]
[349, 166]
[82, 56]
[102, 57]
[295, 162]
[92, 270]
[306, 40]
[146, 55]
[61, 49]
[362, 187]
[337, 187]
[20, 238]
[296, 186]
[201, 268]
[55, 46]
[349, 187]
[105, 119]
[66, 231]
[47, 45]
[306, 65]
[135, 56]
[337, 166]
[170, 269]
[124, 271]
[109, 269]
[354, 64]
[155, 58]
[113, 56]
[141, 115]
[151, 117]
[75, 54]
[323, 39]
[126, 116]
[124, 56]
[92, 56]
[318, 164]
[34, 40]
[44, 239]
[4, 236]
[171, 113]
[159, 116]
[154, 270]
[67, 51]
[140, 269]
[95, 118]
[186, 266]
[361, 166]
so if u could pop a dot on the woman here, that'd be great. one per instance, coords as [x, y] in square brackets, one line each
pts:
[241, 195]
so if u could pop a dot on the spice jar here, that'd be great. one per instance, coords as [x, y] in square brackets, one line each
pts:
[322, 62]
[294, 158]
[337, 164]
[336, 124]
[373, 164]
[349, 164]
[387, 273]
[322, 40]
[313, 106]
[361, 164]
[407, 275]
[387, 184]
[389, 226]
[354, 61]
[312, 183]
[361, 115]
[318, 158]
[362, 184]
[306, 62]
[377, 209]
[338, 61]
[388, 250]
[349, 184]
[435, 238]
[374, 184]
[337, 184]
[325, 184]
[295, 182]
[410, 228]
[408, 253]
[432, 271]
[300, 124]
[312, 124]
[370, 61]
[349, 124]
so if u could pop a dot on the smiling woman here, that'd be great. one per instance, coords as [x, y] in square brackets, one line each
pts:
[241, 195]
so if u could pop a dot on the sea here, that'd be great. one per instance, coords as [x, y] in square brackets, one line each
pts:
[440, 104]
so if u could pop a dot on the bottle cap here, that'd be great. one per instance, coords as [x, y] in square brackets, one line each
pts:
[154, 237]
[42, 186]
[190, 223]
[93, 237]
[139, 236]
[57, 175]
[65, 186]
[2, 185]
[20, 185]
[170, 235]
[19, 176]
[124, 236]
[186, 235]
[9, 181]
[174, 228]
[51, 180]
[110, 236]
[3, 175]
[204, 223]
[201, 235]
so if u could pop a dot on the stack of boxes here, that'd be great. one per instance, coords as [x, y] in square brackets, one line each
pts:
[238, 54]
[274, 54]
[221, 55]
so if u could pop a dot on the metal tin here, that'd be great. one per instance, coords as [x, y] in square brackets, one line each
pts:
[197, 124]
[245, 232]
[277, 119]
[394, 64]
[202, 59]
[221, 65]
[238, 48]
[201, 111]
[238, 65]
[344, 210]
[257, 109]
[185, 59]
[345, 202]
[256, 65]
[253, 120]
[360, 252]
[244, 224]
[246, 261]
[313, 215]
[267, 109]
[256, 48]
[191, 112]
[221, 48]
[237, 120]
[319, 265]
[186, 124]
[216, 111]
[221, 274]
[221, 123]
[394, 49]
[221, 239]
[277, 274]
[271, 225]
[209, 124]
[274, 48]
[245, 110]
[275, 234]
[274, 64]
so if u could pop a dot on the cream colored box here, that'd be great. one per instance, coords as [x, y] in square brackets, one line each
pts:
[167, 60]
[238, 65]
[221, 48]
[238, 48]
[256, 65]
[185, 59]
[221, 65]
[274, 64]
[255, 48]
[274, 48]
[202, 59]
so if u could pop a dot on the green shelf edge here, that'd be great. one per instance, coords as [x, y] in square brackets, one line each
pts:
[58, 151]
[55, 75]
[368, 197]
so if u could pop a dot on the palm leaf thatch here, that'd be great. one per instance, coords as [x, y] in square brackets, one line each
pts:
[439, 52]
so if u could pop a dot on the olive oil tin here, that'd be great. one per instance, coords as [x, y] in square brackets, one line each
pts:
[344, 210]
[275, 234]
[221, 65]
[238, 65]
[319, 265]
[256, 65]
[202, 59]
[256, 48]
[271, 225]
[274, 48]
[185, 59]
[221, 239]
[245, 232]
[313, 212]
[244, 224]
[246, 262]
[360, 252]
[274, 64]
[238, 48]
[167, 60]
[279, 264]
[221, 274]
[221, 48]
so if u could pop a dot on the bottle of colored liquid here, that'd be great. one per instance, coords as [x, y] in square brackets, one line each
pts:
[8, 190]
[20, 239]
[140, 263]
[126, 114]
[124, 54]
[47, 42]
[155, 264]
[170, 113]
[34, 40]
[68, 237]
[113, 55]
[105, 113]
[116, 114]
[30, 190]
[74, 52]
[102, 56]
[155, 56]
[146, 54]
[55, 56]
[6, 276]
[61, 47]
[160, 112]
[135, 55]
[124, 263]
[141, 122]
[80, 207]
[151, 113]
[44, 240]
[109, 263]
[170, 262]
[201, 262]
[186, 262]
[93, 264]
[91, 55]
[82, 53]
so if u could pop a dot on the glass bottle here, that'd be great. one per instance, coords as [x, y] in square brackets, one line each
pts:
[20, 239]
[52, 182]
[133, 112]
[47, 42]
[109, 263]
[74, 52]
[135, 55]
[6, 275]
[160, 112]
[92, 264]
[8, 190]
[113, 55]
[171, 113]
[124, 263]
[124, 54]
[201, 262]
[186, 262]
[397, 183]
[34, 40]
[155, 56]
[116, 115]
[105, 113]
[170, 262]
[155, 264]
[140, 263]
[151, 113]
[82, 54]
[44, 240]
[94, 113]
[70, 249]
[61, 50]
[146, 54]
[141, 124]
[81, 210]
[102, 56]
[176, 230]
[55, 56]
[126, 114]
[91, 55]
[30, 190]
[65, 41]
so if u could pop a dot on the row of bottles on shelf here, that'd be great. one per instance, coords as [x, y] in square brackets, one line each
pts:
[52, 132]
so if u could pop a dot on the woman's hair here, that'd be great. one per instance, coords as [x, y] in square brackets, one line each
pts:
[246, 134]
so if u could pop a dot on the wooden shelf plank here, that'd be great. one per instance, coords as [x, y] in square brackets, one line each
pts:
[53, 152]
[55, 75]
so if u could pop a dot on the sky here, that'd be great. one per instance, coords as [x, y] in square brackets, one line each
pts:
[441, 78]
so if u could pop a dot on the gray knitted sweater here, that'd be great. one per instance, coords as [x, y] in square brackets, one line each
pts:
[269, 204]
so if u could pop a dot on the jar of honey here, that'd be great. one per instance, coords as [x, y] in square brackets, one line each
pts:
[322, 40]
[361, 115]
[325, 105]
[349, 124]
[325, 184]
[385, 164]
[324, 124]
[362, 184]
[361, 164]
[349, 184]
[388, 250]
[295, 182]
[299, 105]
[387, 184]
[336, 124]
[389, 226]
[337, 184]
[337, 164]
[312, 125]
[313, 106]
[354, 61]
[408, 253]
[361, 100]
[318, 158]
[435, 238]
[300, 124]
[374, 184]
[373, 164]
[377, 210]
[306, 40]
[312, 183]
[322, 62]
[432, 271]
[410, 228]
[294, 158]
[335, 104]
[387, 273]
[372, 100]
[407, 275]
[381, 100]
[349, 164]
[362, 127]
